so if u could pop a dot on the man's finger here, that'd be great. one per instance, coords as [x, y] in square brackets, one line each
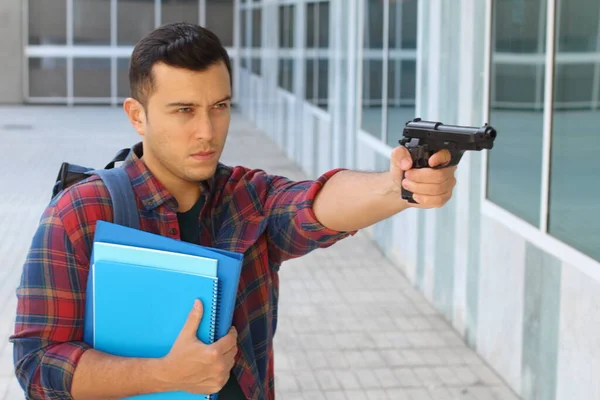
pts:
[429, 175]
[190, 328]
[430, 189]
[442, 157]
[401, 158]
[227, 342]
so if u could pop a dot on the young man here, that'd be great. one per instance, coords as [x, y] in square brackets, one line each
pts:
[181, 90]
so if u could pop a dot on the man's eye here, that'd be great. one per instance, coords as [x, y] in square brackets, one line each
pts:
[184, 110]
[222, 105]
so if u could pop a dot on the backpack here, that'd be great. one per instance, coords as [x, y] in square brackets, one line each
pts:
[125, 210]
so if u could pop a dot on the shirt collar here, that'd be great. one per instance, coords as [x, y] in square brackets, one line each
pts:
[147, 187]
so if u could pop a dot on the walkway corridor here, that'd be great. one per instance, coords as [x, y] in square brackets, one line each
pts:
[351, 326]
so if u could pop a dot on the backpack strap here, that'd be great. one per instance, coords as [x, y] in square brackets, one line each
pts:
[125, 210]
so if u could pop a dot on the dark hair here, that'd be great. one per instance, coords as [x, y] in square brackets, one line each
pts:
[177, 44]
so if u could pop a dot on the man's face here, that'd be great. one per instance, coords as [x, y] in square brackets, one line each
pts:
[186, 122]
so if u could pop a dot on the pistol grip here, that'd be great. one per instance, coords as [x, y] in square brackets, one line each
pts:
[408, 196]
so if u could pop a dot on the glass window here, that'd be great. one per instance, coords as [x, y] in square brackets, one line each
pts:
[372, 85]
[256, 28]
[402, 72]
[48, 77]
[91, 77]
[47, 22]
[123, 77]
[91, 22]
[219, 19]
[286, 74]
[574, 209]
[518, 62]
[286, 26]
[140, 11]
[311, 74]
[180, 10]
[322, 34]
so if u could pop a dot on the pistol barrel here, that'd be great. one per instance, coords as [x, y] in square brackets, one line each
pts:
[474, 137]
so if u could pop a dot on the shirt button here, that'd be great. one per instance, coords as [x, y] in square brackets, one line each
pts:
[173, 231]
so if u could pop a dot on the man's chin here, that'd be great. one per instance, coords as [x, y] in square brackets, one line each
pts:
[201, 174]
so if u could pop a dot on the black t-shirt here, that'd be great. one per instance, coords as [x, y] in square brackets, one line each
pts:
[190, 232]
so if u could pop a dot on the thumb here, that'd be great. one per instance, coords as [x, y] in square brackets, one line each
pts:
[190, 328]
[401, 158]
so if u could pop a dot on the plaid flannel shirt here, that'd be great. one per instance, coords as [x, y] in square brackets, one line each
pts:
[268, 218]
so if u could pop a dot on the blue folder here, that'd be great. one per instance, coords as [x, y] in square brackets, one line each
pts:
[139, 311]
[229, 265]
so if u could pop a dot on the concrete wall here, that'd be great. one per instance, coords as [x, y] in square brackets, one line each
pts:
[11, 52]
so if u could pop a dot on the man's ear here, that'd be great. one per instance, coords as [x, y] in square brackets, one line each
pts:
[136, 113]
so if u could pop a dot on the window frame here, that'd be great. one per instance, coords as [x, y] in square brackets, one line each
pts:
[537, 235]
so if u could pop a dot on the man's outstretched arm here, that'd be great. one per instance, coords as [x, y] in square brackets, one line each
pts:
[352, 200]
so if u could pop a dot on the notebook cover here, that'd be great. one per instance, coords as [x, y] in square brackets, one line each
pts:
[229, 265]
[139, 311]
[155, 258]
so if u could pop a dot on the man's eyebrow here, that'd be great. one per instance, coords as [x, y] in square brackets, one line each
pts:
[223, 100]
[182, 104]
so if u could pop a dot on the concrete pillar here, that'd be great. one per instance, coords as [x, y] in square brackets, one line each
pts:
[11, 52]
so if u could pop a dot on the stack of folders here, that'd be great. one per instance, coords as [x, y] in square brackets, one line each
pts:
[141, 289]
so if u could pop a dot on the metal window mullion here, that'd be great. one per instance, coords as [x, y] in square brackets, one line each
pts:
[487, 87]
[354, 47]
[596, 81]
[384, 91]
[70, 34]
[113, 58]
[548, 114]
[539, 68]
[202, 12]
[157, 13]
[25, 33]
[398, 70]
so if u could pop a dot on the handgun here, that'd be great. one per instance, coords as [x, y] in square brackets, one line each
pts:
[425, 138]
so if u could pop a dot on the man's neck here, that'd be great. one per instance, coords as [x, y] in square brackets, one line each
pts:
[186, 193]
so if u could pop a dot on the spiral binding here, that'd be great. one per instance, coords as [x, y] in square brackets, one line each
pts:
[219, 300]
[214, 309]
[215, 320]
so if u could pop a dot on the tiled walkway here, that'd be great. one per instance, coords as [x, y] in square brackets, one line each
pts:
[351, 326]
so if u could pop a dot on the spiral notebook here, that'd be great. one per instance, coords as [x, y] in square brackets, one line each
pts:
[141, 288]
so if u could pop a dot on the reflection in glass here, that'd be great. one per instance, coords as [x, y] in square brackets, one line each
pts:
[91, 22]
[219, 19]
[47, 77]
[47, 22]
[286, 26]
[317, 25]
[244, 37]
[91, 77]
[286, 74]
[123, 77]
[317, 66]
[517, 98]
[402, 73]
[372, 82]
[140, 11]
[256, 28]
[372, 104]
[574, 208]
[180, 10]
[322, 82]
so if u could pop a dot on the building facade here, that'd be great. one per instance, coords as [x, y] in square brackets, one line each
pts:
[513, 260]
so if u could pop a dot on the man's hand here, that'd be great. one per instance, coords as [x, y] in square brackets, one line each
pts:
[195, 367]
[432, 188]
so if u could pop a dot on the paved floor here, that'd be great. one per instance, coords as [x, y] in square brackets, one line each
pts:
[351, 326]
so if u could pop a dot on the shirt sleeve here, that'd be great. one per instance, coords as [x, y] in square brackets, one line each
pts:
[293, 227]
[48, 330]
